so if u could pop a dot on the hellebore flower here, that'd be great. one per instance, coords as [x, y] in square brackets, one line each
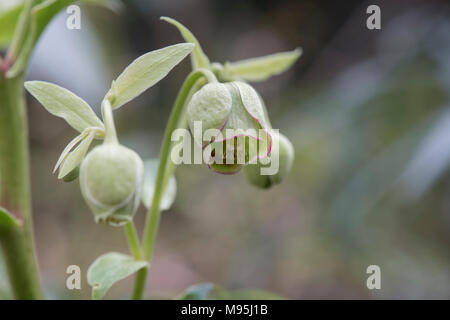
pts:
[234, 125]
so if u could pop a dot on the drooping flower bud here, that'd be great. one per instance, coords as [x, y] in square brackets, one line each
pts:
[234, 125]
[111, 181]
[282, 155]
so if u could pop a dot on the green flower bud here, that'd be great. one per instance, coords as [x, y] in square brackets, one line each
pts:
[111, 180]
[285, 154]
[237, 113]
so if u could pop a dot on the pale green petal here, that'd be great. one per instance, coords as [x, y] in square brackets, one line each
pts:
[9, 16]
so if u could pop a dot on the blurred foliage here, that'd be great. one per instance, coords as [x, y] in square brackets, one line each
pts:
[210, 291]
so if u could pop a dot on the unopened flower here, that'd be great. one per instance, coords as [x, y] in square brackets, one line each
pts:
[111, 182]
[234, 124]
[282, 154]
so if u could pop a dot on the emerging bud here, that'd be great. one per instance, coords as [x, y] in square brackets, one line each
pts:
[285, 154]
[234, 125]
[111, 181]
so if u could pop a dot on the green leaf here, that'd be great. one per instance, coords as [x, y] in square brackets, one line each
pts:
[9, 16]
[198, 57]
[146, 71]
[7, 220]
[41, 15]
[65, 104]
[74, 158]
[259, 69]
[110, 268]
[151, 169]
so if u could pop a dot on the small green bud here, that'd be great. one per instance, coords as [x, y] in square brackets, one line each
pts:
[111, 181]
[285, 154]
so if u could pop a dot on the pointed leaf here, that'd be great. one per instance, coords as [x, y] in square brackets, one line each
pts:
[110, 268]
[259, 69]
[7, 220]
[198, 57]
[151, 168]
[65, 104]
[75, 157]
[146, 71]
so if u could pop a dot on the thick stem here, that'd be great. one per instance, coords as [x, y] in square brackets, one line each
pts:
[154, 213]
[17, 241]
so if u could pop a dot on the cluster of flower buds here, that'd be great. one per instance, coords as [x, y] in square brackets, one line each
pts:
[236, 131]
[111, 175]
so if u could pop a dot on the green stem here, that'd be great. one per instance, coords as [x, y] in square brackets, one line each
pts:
[20, 32]
[154, 213]
[110, 128]
[17, 241]
[133, 240]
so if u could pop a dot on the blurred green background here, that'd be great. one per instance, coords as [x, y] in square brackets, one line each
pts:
[368, 112]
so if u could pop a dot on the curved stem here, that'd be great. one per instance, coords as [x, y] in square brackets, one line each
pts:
[154, 213]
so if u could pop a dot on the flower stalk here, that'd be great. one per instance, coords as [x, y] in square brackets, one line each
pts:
[163, 174]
